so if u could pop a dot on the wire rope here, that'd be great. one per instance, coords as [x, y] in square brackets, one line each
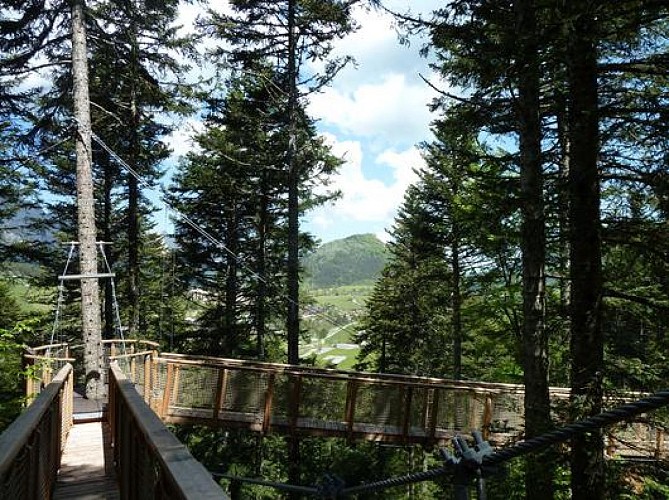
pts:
[564, 433]
[117, 313]
[60, 300]
[199, 229]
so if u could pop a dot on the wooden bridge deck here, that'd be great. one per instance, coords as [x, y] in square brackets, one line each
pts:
[87, 469]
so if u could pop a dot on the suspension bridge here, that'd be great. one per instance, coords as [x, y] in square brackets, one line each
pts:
[129, 453]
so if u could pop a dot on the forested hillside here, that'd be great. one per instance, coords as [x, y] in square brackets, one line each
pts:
[355, 260]
[529, 247]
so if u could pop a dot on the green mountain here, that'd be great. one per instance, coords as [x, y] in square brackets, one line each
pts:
[354, 260]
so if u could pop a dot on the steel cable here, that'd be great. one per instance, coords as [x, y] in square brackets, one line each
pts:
[607, 418]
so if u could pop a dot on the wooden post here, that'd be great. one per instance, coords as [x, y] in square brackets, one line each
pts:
[487, 417]
[154, 380]
[431, 413]
[406, 418]
[659, 443]
[349, 417]
[269, 395]
[175, 385]
[168, 390]
[221, 387]
[147, 379]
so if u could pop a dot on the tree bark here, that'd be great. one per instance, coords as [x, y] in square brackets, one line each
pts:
[263, 222]
[90, 300]
[293, 319]
[538, 478]
[230, 341]
[133, 186]
[456, 292]
[587, 342]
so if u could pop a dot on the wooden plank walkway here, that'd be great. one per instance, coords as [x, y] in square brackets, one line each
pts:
[87, 469]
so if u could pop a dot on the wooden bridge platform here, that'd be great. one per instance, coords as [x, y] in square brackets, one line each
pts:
[87, 468]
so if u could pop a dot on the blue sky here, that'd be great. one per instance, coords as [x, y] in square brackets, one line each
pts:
[373, 115]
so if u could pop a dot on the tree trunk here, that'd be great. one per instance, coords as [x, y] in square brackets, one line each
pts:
[90, 300]
[133, 189]
[563, 204]
[263, 216]
[107, 232]
[587, 342]
[538, 479]
[230, 341]
[293, 319]
[456, 294]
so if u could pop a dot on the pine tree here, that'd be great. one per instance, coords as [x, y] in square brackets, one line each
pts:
[289, 32]
[87, 234]
[246, 275]
[405, 329]
[124, 77]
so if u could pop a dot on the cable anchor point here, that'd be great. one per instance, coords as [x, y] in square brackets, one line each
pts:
[330, 487]
[467, 463]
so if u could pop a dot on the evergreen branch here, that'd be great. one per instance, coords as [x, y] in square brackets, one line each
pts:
[645, 301]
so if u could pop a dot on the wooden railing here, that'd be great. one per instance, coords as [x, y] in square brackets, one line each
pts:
[276, 398]
[40, 363]
[150, 461]
[267, 398]
[31, 447]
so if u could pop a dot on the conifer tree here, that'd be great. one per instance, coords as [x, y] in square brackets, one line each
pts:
[241, 202]
[289, 32]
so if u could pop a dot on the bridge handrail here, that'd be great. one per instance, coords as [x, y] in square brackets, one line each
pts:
[344, 375]
[31, 447]
[143, 445]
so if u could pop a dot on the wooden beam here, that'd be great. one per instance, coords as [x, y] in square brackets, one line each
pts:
[487, 417]
[269, 395]
[179, 474]
[349, 417]
[167, 391]
[147, 378]
[221, 387]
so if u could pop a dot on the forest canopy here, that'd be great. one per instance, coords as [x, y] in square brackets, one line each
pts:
[531, 248]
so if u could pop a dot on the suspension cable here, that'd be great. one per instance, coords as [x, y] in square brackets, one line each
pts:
[564, 433]
[590, 424]
[117, 313]
[59, 301]
[199, 229]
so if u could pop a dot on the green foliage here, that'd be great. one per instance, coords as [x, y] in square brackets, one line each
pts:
[241, 153]
[354, 260]
[13, 340]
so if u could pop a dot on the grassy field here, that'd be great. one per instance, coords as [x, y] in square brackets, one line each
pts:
[345, 305]
[31, 299]
[344, 298]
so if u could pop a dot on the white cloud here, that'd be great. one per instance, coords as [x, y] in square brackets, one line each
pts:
[390, 109]
[181, 139]
[404, 164]
[366, 199]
